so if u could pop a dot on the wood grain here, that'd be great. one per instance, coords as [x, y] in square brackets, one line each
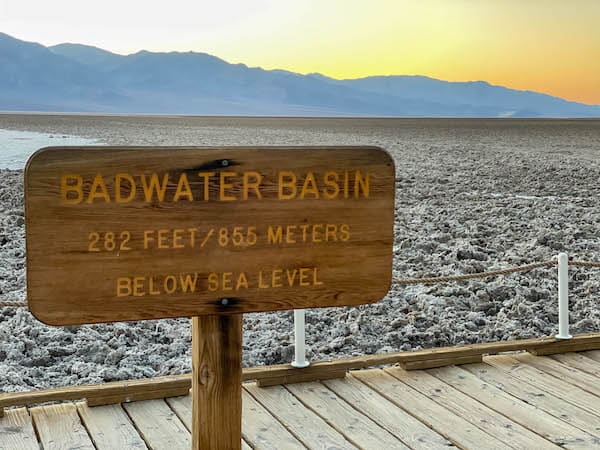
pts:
[59, 428]
[110, 427]
[158, 425]
[16, 431]
[99, 250]
[217, 381]
[405, 427]
[307, 426]
[176, 385]
[479, 414]
[518, 410]
[357, 427]
[566, 391]
[453, 427]
[531, 394]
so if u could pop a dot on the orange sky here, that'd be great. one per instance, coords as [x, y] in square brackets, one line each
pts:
[550, 46]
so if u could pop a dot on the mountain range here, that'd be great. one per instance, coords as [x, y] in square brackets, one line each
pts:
[82, 78]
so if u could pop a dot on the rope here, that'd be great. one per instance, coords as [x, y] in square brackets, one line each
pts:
[433, 280]
[470, 276]
[584, 263]
[13, 304]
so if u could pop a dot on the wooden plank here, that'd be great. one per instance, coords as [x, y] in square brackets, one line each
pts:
[16, 431]
[593, 354]
[497, 425]
[281, 228]
[453, 427]
[405, 427]
[304, 424]
[563, 372]
[533, 395]
[579, 361]
[59, 427]
[532, 375]
[217, 381]
[358, 428]
[564, 347]
[116, 391]
[518, 410]
[110, 427]
[262, 430]
[182, 406]
[300, 377]
[439, 362]
[177, 385]
[158, 425]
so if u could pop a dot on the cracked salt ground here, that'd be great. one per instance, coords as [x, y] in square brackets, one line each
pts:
[441, 229]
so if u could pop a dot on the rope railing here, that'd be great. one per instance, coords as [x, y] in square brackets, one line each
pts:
[13, 304]
[470, 276]
[434, 280]
[560, 260]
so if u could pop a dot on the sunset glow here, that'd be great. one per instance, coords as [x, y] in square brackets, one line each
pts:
[550, 46]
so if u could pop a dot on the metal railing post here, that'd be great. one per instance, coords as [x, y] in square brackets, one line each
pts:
[563, 297]
[299, 340]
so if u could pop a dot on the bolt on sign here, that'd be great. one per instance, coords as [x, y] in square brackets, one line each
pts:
[132, 233]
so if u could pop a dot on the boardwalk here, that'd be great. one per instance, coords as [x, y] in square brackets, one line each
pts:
[507, 401]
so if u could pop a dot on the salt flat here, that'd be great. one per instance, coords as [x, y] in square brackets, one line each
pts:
[471, 195]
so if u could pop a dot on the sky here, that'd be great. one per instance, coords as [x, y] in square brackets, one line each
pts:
[550, 46]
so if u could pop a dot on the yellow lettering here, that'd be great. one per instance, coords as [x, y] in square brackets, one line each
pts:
[213, 282]
[152, 186]
[178, 238]
[330, 232]
[255, 185]
[360, 182]
[316, 281]
[275, 237]
[227, 282]
[73, 184]
[276, 278]
[188, 284]
[138, 287]
[316, 233]
[192, 232]
[304, 227]
[123, 287]
[291, 276]
[242, 282]
[290, 184]
[206, 176]
[304, 276]
[98, 190]
[261, 283]
[346, 181]
[183, 189]
[151, 289]
[224, 185]
[170, 284]
[119, 178]
[309, 186]
[331, 181]
[289, 234]
[148, 236]
[344, 232]
[162, 239]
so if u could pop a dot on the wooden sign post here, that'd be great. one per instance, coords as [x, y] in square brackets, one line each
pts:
[134, 233]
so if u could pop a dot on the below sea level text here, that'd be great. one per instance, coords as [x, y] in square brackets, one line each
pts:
[190, 283]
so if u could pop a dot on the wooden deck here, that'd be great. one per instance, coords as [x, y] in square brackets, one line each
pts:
[507, 401]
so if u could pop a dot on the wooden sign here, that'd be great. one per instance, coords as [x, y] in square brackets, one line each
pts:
[124, 233]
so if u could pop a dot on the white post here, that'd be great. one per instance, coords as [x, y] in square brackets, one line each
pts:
[299, 340]
[563, 297]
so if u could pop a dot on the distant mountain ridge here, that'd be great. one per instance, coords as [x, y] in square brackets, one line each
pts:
[80, 78]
